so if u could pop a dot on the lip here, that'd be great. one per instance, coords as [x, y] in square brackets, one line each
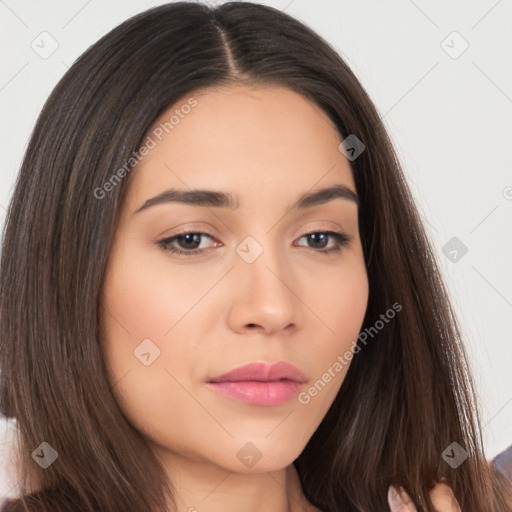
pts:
[260, 383]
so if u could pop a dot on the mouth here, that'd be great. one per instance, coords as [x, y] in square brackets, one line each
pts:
[258, 393]
[260, 384]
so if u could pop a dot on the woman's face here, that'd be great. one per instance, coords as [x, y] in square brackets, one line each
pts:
[255, 288]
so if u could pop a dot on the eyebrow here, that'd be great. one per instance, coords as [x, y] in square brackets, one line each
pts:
[213, 198]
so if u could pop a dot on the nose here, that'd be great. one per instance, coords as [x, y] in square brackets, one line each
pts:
[263, 296]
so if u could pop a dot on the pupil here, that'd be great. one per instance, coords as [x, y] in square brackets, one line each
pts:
[316, 236]
[192, 238]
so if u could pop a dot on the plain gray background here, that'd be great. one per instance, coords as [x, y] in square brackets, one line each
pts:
[439, 74]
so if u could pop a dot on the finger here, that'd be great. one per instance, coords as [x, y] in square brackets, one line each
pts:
[443, 499]
[399, 500]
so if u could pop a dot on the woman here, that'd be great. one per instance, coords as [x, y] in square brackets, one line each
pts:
[302, 356]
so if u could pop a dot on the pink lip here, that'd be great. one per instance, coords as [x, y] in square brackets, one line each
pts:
[260, 384]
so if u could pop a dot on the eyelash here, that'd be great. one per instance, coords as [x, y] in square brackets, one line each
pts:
[342, 239]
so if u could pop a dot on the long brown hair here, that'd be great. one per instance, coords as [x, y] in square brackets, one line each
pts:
[407, 395]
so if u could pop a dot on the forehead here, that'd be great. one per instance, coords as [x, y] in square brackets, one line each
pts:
[244, 139]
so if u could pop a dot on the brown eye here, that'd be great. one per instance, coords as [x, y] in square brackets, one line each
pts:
[321, 238]
[187, 243]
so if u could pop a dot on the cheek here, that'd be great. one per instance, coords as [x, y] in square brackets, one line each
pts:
[140, 310]
[341, 307]
[340, 301]
[349, 307]
[144, 301]
[147, 296]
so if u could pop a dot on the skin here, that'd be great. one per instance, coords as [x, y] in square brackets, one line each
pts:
[441, 496]
[212, 312]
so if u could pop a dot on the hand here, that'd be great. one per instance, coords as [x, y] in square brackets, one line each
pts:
[441, 496]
